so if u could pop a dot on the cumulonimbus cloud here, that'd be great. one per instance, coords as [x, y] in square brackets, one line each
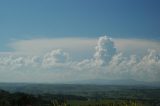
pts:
[105, 50]
[106, 63]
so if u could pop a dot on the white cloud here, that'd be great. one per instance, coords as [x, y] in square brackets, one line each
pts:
[136, 46]
[105, 50]
[39, 46]
[79, 48]
[55, 57]
[109, 61]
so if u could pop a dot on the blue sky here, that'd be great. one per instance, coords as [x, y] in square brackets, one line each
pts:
[26, 19]
[62, 38]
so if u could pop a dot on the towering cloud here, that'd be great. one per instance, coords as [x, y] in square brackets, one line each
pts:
[149, 66]
[105, 50]
[105, 63]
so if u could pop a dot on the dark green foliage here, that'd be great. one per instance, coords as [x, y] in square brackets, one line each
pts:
[23, 99]
[78, 95]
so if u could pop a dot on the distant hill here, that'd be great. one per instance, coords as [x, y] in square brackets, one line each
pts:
[115, 82]
[74, 87]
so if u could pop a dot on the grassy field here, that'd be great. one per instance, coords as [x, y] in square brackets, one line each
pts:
[108, 103]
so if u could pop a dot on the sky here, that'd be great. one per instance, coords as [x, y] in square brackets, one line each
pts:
[41, 40]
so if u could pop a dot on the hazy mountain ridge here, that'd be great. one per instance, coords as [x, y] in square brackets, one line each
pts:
[78, 86]
[116, 82]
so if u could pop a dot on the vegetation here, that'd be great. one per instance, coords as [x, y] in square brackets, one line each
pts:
[78, 95]
[23, 99]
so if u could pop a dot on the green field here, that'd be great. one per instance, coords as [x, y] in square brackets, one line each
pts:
[78, 95]
[108, 103]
